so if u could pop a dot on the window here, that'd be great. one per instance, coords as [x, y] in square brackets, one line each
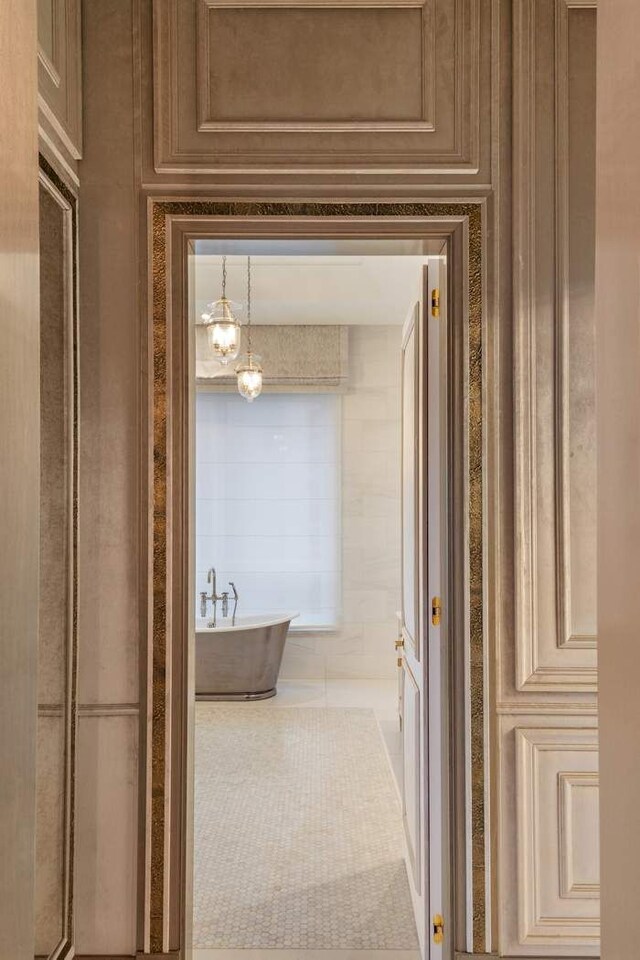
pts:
[267, 502]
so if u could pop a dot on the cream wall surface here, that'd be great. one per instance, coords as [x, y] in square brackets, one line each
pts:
[618, 344]
[19, 475]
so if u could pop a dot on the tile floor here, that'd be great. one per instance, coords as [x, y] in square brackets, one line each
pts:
[204, 954]
[317, 756]
[381, 696]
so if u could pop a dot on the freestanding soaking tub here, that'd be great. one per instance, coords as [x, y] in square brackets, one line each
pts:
[241, 660]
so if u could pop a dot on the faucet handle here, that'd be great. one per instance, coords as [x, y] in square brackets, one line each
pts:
[203, 603]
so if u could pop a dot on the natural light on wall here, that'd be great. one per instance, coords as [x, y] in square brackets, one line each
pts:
[268, 501]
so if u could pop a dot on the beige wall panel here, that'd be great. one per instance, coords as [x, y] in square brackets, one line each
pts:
[54, 496]
[577, 335]
[558, 853]
[110, 547]
[107, 840]
[50, 833]
[549, 856]
[19, 474]
[618, 346]
[59, 79]
[555, 357]
[294, 85]
[110, 374]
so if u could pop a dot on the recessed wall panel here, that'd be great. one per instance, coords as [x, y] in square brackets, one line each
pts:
[555, 358]
[557, 853]
[578, 346]
[326, 65]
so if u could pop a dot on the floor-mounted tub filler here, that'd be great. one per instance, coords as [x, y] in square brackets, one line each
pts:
[239, 658]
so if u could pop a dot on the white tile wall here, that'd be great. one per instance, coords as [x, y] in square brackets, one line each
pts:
[363, 647]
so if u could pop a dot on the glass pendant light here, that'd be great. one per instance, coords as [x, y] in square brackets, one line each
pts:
[223, 329]
[249, 370]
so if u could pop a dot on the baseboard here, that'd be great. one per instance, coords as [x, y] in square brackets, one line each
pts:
[175, 955]
[459, 955]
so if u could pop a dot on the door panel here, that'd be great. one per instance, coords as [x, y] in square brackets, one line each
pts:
[412, 794]
[423, 660]
[410, 384]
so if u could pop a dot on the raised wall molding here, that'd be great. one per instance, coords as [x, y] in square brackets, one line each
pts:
[287, 112]
[557, 848]
[59, 80]
[555, 552]
[572, 883]
[423, 83]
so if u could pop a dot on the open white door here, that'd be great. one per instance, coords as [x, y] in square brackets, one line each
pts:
[422, 662]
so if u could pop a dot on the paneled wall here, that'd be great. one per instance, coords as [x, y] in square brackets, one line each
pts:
[549, 858]
[162, 118]
[246, 87]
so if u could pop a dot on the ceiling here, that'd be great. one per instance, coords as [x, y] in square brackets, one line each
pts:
[314, 289]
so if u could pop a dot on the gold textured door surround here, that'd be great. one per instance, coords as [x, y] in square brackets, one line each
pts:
[173, 225]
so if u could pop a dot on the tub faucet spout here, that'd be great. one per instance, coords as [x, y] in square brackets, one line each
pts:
[235, 602]
[211, 578]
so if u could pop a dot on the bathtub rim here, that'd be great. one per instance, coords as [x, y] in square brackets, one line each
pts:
[274, 619]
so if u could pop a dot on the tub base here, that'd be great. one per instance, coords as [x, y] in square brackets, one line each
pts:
[263, 695]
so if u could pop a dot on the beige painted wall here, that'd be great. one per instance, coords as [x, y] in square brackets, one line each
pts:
[19, 473]
[618, 345]
[109, 549]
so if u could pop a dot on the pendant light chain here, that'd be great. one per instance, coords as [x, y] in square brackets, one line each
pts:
[249, 371]
[249, 307]
[224, 277]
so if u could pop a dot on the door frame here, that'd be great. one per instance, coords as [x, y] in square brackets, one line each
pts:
[167, 686]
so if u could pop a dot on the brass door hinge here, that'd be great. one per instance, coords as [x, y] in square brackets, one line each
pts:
[435, 303]
[399, 661]
[436, 611]
[399, 644]
[438, 928]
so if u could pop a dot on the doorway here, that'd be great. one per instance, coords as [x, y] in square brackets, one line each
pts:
[173, 606]
[307, 511]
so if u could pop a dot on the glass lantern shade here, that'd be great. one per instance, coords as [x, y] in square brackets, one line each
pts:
[223, 330]
[250, 377]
